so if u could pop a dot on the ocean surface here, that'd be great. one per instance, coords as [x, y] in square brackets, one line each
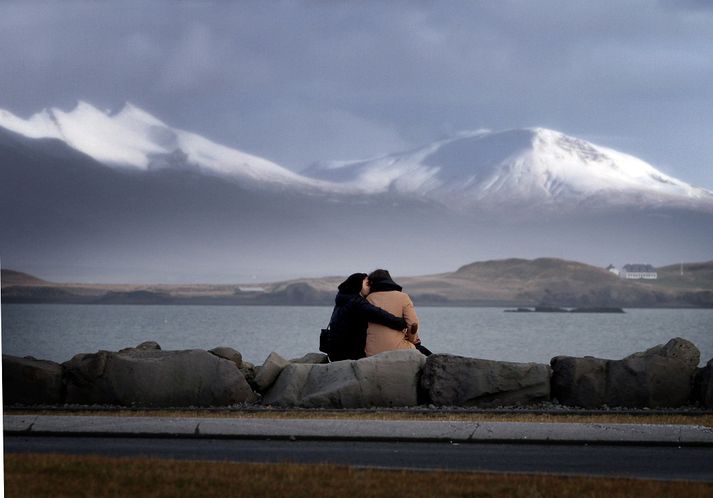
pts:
[59, 331]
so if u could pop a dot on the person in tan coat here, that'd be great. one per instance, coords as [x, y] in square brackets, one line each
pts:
[388, 295]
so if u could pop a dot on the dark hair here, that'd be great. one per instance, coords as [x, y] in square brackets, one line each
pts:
[352, 285]
[377, 275]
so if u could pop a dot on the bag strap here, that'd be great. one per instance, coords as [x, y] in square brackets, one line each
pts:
[330, 318]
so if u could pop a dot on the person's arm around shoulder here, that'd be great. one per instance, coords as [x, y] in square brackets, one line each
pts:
[375, 314]
[411, 320]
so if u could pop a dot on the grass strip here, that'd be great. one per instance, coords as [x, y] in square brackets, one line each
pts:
[57, 476]
[604, 418]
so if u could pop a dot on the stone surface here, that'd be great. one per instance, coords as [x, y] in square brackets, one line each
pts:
[703, 390]
[28, 381]
[652, 381]
[229, 354]
[579, 381]
[661, 376]
[456, 380]
[155, 378]
[144, 346]
[677, 348]
[148, 346]
[249, 371]
[270, 369]
[314, 358]
[387, 379]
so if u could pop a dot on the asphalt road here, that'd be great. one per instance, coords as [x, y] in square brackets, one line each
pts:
[651, 462]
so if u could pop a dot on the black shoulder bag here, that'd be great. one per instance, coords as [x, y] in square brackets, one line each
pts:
[326, 338]
[325, 341]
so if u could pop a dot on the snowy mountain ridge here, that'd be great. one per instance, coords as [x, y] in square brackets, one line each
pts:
[133, 138]
[516, 167]
[520, 168]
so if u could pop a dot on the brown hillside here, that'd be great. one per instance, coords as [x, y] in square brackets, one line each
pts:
[547, 281]
[524, 270]
[12, 277]
[507, 283]
[695, 276]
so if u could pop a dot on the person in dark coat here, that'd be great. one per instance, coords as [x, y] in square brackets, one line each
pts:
[350, 318]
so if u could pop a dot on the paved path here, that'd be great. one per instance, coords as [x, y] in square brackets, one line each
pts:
[631, 450]
[362, 430]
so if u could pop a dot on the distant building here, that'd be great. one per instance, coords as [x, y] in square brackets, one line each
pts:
[613, 269]
[638, 272]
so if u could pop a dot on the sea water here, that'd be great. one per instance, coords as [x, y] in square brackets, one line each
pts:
[59, 331]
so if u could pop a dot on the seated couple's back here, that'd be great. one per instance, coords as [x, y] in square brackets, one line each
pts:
[372, 315]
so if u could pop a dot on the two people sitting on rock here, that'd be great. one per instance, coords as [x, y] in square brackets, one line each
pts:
[350, 318]
[388, 317]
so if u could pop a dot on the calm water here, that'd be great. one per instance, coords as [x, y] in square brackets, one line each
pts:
[57, 332]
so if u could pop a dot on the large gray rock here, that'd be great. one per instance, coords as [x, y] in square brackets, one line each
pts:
[270, 369]
[652, 381]
[387, 379]
[145, 346]
[229, 354]
[579, 381]
[155, 378]
[660, 376]
[28, 381]
[703, 386]
[249, 371]
[676, 349]
[311, 358]
[456, 380]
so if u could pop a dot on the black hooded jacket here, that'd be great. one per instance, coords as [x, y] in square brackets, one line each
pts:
[350, 318]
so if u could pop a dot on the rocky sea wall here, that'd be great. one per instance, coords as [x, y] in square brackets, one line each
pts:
[666, 375]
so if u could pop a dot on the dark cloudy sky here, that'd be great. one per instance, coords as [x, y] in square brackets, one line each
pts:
[299, 82]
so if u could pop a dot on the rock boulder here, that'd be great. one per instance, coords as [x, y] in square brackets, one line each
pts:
[579, 381]
[155, 378]
[249, 371]
[228, 354]
[455, 380]
[28, 381]
[270, 369]
[660, 376]
[387, 379]
[311, 358]
[703, 390]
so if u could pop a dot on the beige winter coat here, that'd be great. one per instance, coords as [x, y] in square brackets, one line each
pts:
[380, 338]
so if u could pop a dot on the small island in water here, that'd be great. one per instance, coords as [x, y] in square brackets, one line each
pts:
[556, 309]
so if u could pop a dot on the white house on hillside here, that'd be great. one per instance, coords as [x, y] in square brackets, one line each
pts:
[639, 271]
[613, 269]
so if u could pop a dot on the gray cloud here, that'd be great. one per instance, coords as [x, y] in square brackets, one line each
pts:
[304, 81]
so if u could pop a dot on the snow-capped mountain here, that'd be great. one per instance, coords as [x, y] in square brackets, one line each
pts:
[88, 194]
[133, 138]
[535, 167]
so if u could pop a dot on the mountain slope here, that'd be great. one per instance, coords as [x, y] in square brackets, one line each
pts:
[536, 168]
[64, 215]
[11, 277]
[132, 138]
[158, 207]
[686, 276]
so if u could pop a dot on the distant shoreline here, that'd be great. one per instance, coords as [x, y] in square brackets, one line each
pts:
[503, 306]
[508, 283]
